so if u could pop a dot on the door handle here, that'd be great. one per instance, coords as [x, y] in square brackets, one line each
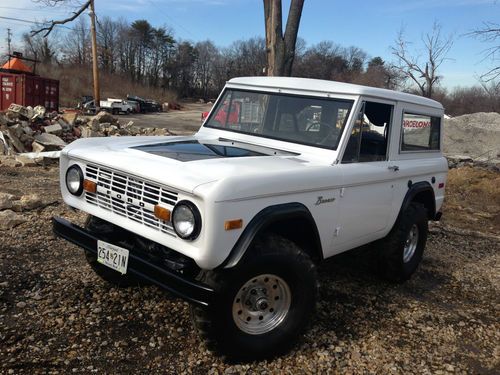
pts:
[394, 168]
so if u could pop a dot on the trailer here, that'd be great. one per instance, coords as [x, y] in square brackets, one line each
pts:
[19, 85]
[28, 90]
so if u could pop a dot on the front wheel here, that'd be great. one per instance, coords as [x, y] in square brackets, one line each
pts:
[262, 305]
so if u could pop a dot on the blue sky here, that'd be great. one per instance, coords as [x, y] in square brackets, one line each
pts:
[369, 24]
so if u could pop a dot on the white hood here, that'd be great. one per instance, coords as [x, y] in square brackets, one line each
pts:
[121, 153]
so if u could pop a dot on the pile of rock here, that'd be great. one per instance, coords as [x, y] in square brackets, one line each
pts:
[458, 161]
[11, 208]
[26, 129]
[28, 134]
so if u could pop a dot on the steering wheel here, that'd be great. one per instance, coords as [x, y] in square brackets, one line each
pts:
[322, 125]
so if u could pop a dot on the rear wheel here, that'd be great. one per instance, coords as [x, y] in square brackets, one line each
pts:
[401, 251]
[262, 305]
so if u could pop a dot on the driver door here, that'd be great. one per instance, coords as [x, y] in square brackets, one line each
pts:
[368, 181]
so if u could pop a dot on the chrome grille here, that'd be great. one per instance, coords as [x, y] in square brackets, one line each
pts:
[120, 189]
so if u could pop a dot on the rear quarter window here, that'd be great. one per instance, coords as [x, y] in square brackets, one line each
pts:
[420, 133]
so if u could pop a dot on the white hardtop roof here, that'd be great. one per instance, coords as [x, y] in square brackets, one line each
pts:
[333, 87]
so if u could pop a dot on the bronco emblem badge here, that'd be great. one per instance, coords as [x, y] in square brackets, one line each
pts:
[322, 200]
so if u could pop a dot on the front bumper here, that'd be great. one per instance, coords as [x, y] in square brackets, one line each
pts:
[188, 289]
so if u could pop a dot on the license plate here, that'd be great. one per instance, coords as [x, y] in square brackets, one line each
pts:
[112, 256]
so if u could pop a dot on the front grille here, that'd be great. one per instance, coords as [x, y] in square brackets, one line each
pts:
[130, 197]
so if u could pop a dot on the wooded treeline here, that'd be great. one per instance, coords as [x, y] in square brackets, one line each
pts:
[153, 57]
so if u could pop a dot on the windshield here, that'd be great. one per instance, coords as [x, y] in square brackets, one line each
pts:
[299, 119]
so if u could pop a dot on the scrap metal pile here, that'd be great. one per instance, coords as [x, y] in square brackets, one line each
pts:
[28, 136]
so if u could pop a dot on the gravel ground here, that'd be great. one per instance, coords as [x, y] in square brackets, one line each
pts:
[57, 316]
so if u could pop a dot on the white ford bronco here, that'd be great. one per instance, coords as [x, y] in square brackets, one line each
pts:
[283, 173]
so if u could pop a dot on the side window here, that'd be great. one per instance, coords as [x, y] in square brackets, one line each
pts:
[420, 132]
[369, 137]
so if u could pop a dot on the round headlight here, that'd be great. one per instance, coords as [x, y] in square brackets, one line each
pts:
[186, 220]
[74, 180]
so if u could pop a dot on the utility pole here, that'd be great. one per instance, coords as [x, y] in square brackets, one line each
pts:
[9, 40]
[95, 69]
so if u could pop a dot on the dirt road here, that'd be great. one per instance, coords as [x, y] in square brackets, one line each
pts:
[57, 316]
[179, 122]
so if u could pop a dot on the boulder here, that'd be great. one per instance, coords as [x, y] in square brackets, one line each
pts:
[64, 124]
[3, 148]
[6, 200]
[37, 147]
[28, 130]
[86, 132]
[9, 219]
[3, 119]
[19, 110]
[94, 124]
[27, 202]
[104, 116]
[50, 140]
[27, 140]
[17, 129]
[54, 129]
[38, 112]
[16, 142]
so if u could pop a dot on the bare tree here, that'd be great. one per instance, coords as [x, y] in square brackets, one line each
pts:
[51, 24]
[281, 48]
[43, 49]
[206, 55]
[107, 35]
[76, 45]
[423, 73]
[490, 33]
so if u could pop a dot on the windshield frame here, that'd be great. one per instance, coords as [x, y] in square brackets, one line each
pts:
[334, 147]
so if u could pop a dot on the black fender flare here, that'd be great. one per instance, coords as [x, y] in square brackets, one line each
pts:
[413, 191]
[263, 220]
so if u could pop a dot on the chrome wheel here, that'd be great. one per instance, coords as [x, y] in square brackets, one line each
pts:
[261, 304]
[410, 244]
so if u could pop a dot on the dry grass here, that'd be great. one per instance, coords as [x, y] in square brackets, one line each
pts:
[473, 199]
[77, 81]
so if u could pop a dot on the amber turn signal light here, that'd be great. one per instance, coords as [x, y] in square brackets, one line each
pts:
[233, 224]
[162, 213]
[89, 186]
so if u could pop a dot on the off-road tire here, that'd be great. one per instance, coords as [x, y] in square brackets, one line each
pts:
[392, 266]
[274, 255]
[107, 274]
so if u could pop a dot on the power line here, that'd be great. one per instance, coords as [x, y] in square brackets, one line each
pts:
[17, 19]
[171, 20]
[31, 10]
[29, 21]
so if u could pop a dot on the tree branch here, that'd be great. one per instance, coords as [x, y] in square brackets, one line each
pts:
[52, 24]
